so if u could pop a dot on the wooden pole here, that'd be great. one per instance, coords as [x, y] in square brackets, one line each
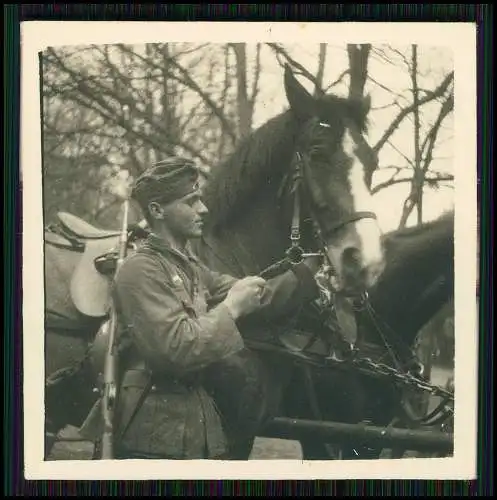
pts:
[360, 434]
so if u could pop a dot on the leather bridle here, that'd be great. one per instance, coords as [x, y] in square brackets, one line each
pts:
[295, 254]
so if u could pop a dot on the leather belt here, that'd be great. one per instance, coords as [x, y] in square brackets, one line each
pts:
[139, 377]
[165, 384]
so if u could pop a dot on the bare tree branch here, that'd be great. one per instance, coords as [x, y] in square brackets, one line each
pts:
[358, 66]
[387, 89]
[358, 72]
[431, 138]
[340, 78]
[385, 106]
[438, 92]
[428, 146]
[280, 51]
[403, 57]
[380, 54]
[193, 85]
[415, 197]
[257, 75]
[242, 99]
[318, 89]
[224, 95]
[111, 114]
[418, 176]
[392, 182]
[416, 193]
[196, 48]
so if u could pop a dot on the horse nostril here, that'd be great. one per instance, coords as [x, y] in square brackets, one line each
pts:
[351, 258]
[353, 265]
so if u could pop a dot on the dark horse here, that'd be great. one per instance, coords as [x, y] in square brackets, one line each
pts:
[417, 282]
[251, 199]
[251, 202]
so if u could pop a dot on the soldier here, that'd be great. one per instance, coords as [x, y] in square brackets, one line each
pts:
[162, 299]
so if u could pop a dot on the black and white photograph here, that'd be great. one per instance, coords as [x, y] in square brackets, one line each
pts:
[251, 247]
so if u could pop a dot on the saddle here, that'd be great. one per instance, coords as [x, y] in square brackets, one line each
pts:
[82, 229]
[90, 289]
[61, 241]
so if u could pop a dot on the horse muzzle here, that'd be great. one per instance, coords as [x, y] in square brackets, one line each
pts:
[352, 272]
[358, 275]
[357, 256]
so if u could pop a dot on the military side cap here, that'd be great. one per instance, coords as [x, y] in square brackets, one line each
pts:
[167, 181]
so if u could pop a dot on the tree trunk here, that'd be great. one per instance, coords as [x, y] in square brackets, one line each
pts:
[244, 104]
[358, 70]
[415, 196]
[320, 72]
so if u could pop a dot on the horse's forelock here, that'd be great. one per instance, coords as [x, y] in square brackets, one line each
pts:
[336, 109]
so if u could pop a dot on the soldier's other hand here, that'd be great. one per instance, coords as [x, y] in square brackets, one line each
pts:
[245, 296]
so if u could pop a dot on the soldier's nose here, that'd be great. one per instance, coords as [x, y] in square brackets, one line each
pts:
[202, 209]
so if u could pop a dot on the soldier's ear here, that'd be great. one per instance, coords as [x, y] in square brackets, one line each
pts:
[155, 210]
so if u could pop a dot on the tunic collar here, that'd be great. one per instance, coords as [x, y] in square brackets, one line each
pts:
[159, 244]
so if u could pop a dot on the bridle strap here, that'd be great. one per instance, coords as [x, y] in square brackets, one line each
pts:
[295, 253]
[300, 163]
[354, 217]
[295, 228]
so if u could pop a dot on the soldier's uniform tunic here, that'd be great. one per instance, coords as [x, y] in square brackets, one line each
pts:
[163, 302]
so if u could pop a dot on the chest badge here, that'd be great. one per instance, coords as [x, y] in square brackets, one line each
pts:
[177, 280]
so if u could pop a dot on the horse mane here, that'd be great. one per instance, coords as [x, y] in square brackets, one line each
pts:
[232, 182]
[429, 229]
[407, 243]
[419, 275]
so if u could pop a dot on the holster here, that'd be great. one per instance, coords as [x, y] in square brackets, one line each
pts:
[93, 426]
[129, 402]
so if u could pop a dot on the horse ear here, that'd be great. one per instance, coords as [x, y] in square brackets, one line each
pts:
[301, 102]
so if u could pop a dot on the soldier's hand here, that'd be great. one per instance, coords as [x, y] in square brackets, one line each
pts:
[245, 296]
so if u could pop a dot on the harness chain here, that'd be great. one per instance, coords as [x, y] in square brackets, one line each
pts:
[364, 364]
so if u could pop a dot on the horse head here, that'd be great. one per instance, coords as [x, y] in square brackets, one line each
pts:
[338, 202]
[311, 150]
